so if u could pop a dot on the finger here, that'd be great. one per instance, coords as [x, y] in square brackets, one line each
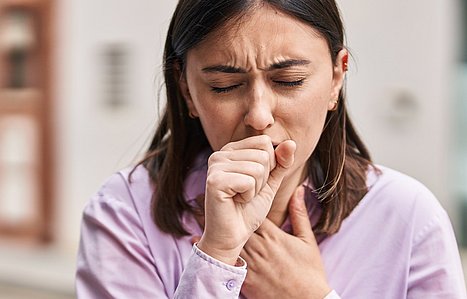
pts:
[255, 170]
[253, 155]
[299, 218]
[284, 157]
[252, 260]
[268, 228]
[249, 259]
[285, 153]
[256, 246]
[247, 254]
[261, 142]
[244, 254]
[234, 185]
[261, 156]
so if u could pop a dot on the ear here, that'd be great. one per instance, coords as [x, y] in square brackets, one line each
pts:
[185, 91]
[338, 76]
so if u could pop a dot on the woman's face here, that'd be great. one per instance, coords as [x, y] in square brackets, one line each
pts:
[265, 74]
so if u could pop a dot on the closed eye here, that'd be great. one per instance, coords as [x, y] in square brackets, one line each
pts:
[224, 89]
[279, 82]
[290, 83]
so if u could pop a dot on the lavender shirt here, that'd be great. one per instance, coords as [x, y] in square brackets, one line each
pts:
[397, 243]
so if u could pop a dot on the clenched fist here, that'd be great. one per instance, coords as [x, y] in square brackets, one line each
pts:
[242, 180]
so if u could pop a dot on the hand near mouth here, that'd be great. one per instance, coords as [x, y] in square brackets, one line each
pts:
[242, 180]
[267, 254]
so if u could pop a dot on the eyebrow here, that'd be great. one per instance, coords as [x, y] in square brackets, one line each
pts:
[223, 69]
[237, 70]
[288, 63]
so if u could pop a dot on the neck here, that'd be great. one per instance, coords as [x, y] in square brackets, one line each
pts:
[279, 208]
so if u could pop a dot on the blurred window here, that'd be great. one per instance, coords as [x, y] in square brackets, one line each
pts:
[25, 151]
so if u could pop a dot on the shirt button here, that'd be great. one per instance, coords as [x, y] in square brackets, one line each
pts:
[231, 284]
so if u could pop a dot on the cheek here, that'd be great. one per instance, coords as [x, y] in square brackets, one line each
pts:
[219, 120]
[306, 125]
[310, 136]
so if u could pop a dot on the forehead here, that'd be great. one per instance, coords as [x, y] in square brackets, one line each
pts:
[264, 34]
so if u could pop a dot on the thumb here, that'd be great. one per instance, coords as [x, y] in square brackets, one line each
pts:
[299, 219]
[284, 152]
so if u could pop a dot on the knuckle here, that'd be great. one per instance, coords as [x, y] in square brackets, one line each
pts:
[251, 182]
[265, 139]
[215, 157]
[247, 185]
[214, 169]
[228, 146]
[214, 179]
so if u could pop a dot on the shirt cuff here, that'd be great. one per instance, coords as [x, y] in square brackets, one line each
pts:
[207, 277]
[240, 264]
[332, 295]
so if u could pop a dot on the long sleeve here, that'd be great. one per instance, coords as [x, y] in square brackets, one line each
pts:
[210, 277]
[435, 270]
[116, 261]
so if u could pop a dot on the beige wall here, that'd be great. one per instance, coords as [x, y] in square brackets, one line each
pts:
[402, 49]
[402, 88]
[93, 140]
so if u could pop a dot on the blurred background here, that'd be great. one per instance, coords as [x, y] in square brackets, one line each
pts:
[78, 101]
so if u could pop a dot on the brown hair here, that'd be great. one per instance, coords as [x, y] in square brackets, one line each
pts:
[339, 163]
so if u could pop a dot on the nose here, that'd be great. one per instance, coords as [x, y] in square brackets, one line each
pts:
[260, 107]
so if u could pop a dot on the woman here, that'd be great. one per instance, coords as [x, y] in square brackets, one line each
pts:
[256, 162]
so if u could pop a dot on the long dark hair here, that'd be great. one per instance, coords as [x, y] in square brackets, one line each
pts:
[339, 163]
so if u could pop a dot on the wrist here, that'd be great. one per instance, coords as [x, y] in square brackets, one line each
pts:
[227, 256]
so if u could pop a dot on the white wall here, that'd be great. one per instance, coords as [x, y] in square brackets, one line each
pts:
[406, 49]
[94, 141]
[399, 46]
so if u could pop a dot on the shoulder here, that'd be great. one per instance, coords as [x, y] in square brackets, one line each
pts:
[395, 188]
[124, 183]
[386, 180]
[397, 196]
[126, 190]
